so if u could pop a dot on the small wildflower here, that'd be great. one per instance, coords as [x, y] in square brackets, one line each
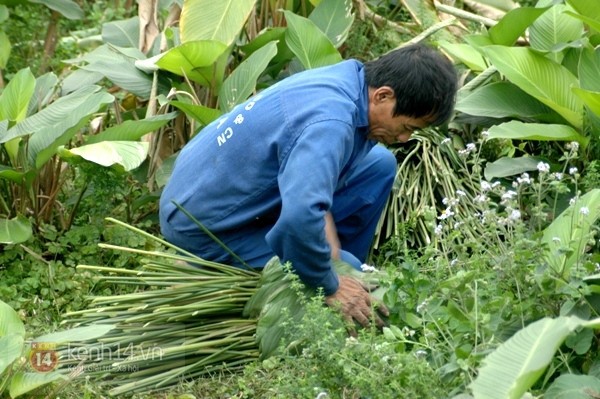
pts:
[515, 214]
[572, 201]
[524, 179]
[597, 267]
[584, 210]
[543, 167]
[471, 147]
[485, 134]
[438, 229]
[408, 332]
[420, 353]
[453, 262]
[556, 240]
[422, 307]
[481, 198]
[450, 201]
[558, 176]
[322, 395]
[460, 193]
[572, 170]
[457, 225]
[446, 140]
[485, 186]
[367, 268]
[573, 146]
[446, 213]
[509, 195]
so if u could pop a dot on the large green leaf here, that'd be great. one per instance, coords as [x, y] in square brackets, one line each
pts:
[571, 230]
[16, 96]
[68, 8]
[5, 49]
[545, 80]
[220, 20]
[195, 60]
[465, 54]
[12, 348]
[124, 33]
[553, 28]
[512, 25]
[242, 81]
[589, 69]
[507, 166]
[591, 99]
[10, 322]
[309, 44]
[118, 66]
[200, 113]
[132, 130]
[23, 382]
[128, 154]
[334, 18]
[67, 110]
[44, 144]
[516, 130]
[510, 370]
[46, 87]
[588, 11]
[571, 386]
[504, 99]
[14, 231]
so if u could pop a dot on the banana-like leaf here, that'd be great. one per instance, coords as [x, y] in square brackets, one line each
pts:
[553, 28]
[132, 130]
[309, 44]
[68, 8]
[507, 166]
[46, 87]
[124, 33]
[128, 154]
[591, 99]
[465, 54]
[200, 113]
[12, 348]
[10, 322]
[572, 386]
[334, 18]
[4, 13]
[589, 69]
[67, 110]
[510, 370]
[516, 130]
[587, 11]
[16, 96]
[14, 231]
[11, 174]
[504, 99]
[240, 84]
[195, 60]
[571, 230]
[513, 25]
[5, 49]
[79, 78]
[537, 75]
[220, 20]
[22, 382]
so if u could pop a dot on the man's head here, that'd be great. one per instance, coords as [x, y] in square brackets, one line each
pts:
[409, 89]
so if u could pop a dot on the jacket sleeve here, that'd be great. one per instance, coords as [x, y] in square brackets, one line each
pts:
[307, 180]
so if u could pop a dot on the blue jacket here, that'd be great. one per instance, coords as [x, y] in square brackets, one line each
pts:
[286, 150]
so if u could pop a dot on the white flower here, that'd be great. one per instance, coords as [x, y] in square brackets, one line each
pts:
[572, 170]
[584, 210]
[446, 140]
[573, 145]
[450, 201]
[367, 268]
[438, 229]
[509, 195]
[485, 186]
[543, 167]
[515, 214]
[453, 262]
[558, 176]
[446, 213]
[407, 331]
[420, 353]
[485, 134]
[525, 179]
[572, 201]
[460, 193]
[422, 307]
[481, 198]
[471, 147]
[457, 225]
[556, 240]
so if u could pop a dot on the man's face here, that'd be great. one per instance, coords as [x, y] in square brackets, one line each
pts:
[386, 128]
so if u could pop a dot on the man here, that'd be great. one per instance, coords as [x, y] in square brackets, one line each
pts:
[295, 171]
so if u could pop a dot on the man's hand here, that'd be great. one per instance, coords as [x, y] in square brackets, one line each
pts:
[356, 304]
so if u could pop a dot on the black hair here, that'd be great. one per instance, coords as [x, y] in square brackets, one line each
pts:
[424, 81]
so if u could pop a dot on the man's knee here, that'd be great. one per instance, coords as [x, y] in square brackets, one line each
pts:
[383, 164]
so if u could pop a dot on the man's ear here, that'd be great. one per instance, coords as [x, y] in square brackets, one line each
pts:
[383, 93]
